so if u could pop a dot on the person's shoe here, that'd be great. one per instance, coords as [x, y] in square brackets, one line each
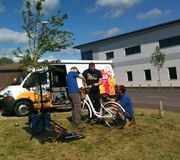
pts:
[78, 126]
[94, 121]
[128, 123]
[88, 120]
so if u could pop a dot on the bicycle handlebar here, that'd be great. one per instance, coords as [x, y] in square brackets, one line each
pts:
[88, 87]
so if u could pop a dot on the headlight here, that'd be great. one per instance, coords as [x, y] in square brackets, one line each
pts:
[8, 95]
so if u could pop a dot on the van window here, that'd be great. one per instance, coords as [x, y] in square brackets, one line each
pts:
[35, 79]
[21, 78]
[42, 77]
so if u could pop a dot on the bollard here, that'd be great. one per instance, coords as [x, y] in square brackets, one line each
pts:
[171, 86]
[131, 86]
[160, 109]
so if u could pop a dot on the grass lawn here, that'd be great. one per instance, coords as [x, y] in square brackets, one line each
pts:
[151, 139]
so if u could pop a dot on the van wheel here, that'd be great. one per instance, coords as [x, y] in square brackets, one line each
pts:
[22, 108]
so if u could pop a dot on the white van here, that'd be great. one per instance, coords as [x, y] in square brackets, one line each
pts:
[25, 94]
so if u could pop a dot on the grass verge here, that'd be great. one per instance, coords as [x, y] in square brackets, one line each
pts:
[151, 139]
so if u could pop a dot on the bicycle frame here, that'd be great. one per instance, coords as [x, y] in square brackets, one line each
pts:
[87, 101]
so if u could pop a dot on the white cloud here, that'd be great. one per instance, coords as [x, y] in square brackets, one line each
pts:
[109, 33]
[97, 33]
[2, 7]
[50, 5]
[7, 35]
[113, 14]
[49, 57]
[115, 7]
[153, 13]
[7, 52]
[93, 9]
[70, 51]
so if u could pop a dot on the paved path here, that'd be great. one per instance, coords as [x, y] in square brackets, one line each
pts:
[151, 98]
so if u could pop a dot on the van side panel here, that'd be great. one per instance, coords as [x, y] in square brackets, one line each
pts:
[108, 85]
[35, 98]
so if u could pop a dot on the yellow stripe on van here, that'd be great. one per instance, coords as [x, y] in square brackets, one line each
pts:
[35, 98]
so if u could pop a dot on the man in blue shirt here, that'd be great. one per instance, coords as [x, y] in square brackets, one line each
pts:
[125, 102]
[74, 97]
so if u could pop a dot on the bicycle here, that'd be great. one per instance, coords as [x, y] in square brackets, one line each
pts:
[111, 112]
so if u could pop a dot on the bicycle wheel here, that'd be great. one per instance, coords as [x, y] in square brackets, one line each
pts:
[114, 115]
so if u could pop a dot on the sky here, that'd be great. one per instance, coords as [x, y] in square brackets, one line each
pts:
[89, 20]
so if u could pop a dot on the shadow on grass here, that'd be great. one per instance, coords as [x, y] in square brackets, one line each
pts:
[155, 116]
[83, 118]
[53, 133]
[43, 136]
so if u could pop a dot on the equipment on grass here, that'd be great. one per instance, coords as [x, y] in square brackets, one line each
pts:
[66, 136]
[54, 131]
[38, 122]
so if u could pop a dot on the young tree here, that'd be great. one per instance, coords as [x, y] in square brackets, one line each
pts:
[158, 59]
[44, 34]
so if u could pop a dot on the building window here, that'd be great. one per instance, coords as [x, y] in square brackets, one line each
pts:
[129, 76]
[147, 74]
[109, 55]
[133, 50]
[88, 55]
[172, 73]
[173, 41]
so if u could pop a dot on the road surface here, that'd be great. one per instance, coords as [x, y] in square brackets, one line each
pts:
[152, 97]
[149, 98]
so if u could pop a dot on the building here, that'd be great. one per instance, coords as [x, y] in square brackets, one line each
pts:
[131, 52]
[9, 73]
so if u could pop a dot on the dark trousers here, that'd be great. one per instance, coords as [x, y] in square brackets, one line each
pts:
[95, 98]
[76, 107]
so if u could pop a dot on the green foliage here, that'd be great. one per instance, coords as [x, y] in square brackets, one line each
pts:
[5, 60]
[158, 58]
[44, 34]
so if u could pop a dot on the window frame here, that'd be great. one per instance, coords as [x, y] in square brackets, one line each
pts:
[169, 42]
[88, 54]
[145, 77]
[169, 75]
[128, 76]
[111, 57]
[133, 53]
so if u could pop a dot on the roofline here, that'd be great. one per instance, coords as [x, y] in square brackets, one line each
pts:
[10, 70]
[11, 67]
[129, 33]
[82, 62]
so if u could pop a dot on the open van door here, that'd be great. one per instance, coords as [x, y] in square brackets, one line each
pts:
[108, 80]
[58, 87]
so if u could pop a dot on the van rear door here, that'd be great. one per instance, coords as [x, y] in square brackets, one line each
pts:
[108, 85]
[58, 84]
